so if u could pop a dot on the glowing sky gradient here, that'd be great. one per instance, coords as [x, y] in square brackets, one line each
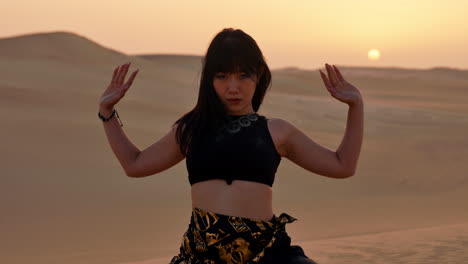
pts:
[306, 34]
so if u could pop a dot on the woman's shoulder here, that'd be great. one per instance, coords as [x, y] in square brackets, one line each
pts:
[275, 120]
[280, 130]
[278, 125]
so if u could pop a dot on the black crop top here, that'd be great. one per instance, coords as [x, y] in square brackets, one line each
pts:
[240, 150]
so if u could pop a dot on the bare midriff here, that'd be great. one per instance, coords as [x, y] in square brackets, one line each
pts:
[242, 198]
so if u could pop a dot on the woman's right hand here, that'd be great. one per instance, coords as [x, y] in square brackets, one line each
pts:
[117, 89]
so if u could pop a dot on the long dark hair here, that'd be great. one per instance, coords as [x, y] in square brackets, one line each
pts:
[231, 50]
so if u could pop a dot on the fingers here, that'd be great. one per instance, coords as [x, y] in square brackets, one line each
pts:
[115, 74]
[123, 72]
[328, 85]
[332, 75]
[338, 73]
[130, 80]
[334, 79]
[325, 79]
[118, 78]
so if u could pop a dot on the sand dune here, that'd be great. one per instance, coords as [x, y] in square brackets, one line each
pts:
[63, 46]
[65, 198]
[433, 245]
[440, 244]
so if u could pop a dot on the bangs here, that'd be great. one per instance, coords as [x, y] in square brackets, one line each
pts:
[233, 56]
[231, 63]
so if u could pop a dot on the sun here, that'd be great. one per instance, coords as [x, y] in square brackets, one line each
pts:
[373, 54]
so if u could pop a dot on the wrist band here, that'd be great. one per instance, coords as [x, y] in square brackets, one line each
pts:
[104, 119]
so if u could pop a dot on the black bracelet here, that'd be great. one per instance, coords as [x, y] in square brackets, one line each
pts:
[104, 119]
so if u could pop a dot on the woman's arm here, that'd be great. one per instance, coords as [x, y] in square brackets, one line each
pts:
[160, 156]
[342, 90]
[310, 155]
[316, 158]
[156, 158]
[350, 147]
[125, 151]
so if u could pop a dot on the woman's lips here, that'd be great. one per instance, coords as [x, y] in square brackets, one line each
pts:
[234, 101]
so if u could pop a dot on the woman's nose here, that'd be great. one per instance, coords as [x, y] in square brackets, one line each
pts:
[233, 84]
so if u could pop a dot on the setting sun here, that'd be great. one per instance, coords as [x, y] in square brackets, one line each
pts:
[373, 54]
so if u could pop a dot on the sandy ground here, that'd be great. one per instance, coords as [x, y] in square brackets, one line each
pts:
[65, 199]
[433, 245]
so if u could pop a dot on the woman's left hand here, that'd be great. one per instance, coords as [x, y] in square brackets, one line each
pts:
[339, 88]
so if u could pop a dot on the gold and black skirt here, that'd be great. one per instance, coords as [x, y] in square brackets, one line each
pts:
[214, 238]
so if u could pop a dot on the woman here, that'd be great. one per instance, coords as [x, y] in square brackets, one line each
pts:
[232, 154]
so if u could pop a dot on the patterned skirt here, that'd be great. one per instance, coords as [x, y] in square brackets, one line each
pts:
[214, 238]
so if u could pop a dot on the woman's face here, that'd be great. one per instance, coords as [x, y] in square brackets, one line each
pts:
[236, 91]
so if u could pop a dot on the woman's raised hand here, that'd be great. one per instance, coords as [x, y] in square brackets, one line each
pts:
[117, 88]
[339, 88]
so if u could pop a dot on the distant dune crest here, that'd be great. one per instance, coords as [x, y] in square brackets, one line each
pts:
[74, 48]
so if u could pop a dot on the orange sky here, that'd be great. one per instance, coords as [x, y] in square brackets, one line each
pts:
[306, 34]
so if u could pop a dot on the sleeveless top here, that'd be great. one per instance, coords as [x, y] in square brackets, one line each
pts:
[241, 149]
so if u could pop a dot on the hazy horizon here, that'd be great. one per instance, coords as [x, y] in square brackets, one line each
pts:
[383, 67]
[304, 34]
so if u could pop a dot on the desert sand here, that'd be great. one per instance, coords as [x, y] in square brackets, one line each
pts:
[441, 244]
[65, 198]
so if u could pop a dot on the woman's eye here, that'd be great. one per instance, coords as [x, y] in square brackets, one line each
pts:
[220, 76]
[244, 75]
